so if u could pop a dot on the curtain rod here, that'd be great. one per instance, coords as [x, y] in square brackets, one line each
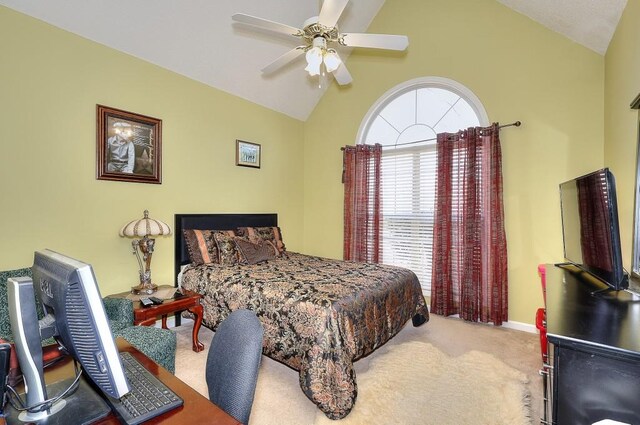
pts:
[513, 124]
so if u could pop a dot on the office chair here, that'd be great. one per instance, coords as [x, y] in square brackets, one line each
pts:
[233, 362]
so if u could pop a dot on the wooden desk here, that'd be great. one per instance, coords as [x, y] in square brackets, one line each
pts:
[196, 409]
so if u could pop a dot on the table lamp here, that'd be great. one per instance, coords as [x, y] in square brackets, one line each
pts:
[143, 228]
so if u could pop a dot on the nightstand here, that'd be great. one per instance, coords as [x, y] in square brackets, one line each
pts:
[147, 316]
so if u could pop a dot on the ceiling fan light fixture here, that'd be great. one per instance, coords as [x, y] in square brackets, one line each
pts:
[314, 55]
[332, 60]
[313, 69]
[314, 60]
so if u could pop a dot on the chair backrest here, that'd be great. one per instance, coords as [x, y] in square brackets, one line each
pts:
[233, 362]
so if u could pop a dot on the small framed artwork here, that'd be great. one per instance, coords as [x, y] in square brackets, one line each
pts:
[129, 146]
[247, 154]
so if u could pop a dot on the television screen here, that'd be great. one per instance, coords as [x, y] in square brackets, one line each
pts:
[590, 227]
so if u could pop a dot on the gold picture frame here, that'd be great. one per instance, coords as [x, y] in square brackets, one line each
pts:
[248, 154]
[129, 146]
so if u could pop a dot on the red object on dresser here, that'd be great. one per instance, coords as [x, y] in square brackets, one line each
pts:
[541, 322]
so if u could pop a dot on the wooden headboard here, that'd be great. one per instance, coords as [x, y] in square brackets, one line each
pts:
[212, 222]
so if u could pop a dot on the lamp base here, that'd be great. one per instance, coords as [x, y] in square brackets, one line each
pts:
[144, 289]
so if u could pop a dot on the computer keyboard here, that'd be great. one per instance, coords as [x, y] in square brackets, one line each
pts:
[148, 397]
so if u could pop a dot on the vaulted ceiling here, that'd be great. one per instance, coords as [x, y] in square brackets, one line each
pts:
[197, 38]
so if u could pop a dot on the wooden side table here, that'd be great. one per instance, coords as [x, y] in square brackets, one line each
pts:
[147, 316]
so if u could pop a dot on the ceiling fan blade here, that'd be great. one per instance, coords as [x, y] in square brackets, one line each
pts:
[342, 75]
[375, 41]
[331, 11]
[290, 56]
[266, 24]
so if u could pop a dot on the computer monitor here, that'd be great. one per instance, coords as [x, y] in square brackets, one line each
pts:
[75, 317]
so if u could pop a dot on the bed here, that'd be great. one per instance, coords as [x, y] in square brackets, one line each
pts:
[319, 315]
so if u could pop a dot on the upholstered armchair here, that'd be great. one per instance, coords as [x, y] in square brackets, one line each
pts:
[157, 344]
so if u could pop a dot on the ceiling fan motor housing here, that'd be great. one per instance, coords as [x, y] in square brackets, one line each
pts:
[313, 29]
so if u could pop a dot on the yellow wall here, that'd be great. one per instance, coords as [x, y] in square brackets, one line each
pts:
[520, 71]
[51, 80]
[622, 85]
[50, 83]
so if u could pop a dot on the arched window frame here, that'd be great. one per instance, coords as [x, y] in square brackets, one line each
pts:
[418, 83]
[419, 222]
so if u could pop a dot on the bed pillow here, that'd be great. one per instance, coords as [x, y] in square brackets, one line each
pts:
[201, 246]
[254, 253]
[227, 251]
[258, 234]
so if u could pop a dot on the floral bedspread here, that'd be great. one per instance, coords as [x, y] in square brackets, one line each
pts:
[319, 315]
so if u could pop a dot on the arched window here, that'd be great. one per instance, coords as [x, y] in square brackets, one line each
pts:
[405, 121]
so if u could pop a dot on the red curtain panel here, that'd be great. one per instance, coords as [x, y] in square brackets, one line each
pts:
[362, 209]
[469, 274]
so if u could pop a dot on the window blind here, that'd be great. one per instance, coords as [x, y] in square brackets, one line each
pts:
[408, 178]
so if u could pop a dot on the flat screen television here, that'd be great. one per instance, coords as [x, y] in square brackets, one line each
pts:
[590, 228]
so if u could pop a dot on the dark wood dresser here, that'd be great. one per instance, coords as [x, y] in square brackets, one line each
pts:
[594, 350]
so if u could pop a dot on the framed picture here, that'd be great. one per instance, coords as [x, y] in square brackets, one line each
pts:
[247, 154]
[129, 146]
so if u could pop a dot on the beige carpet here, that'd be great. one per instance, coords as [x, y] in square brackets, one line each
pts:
[408, 381]
[416, 383]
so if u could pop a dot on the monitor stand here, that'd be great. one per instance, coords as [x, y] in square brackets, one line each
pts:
[83, 407]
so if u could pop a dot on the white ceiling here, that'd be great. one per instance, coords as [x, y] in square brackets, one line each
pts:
[588, 22]
[196, 38]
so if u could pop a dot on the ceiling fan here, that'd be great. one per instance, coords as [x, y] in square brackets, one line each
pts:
[319, 33]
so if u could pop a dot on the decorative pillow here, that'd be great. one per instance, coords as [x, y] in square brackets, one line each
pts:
[227, 252]
[252, 253]
[201, 246]
[258, 234]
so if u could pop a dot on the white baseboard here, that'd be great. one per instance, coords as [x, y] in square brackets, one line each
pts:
[519, 326]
